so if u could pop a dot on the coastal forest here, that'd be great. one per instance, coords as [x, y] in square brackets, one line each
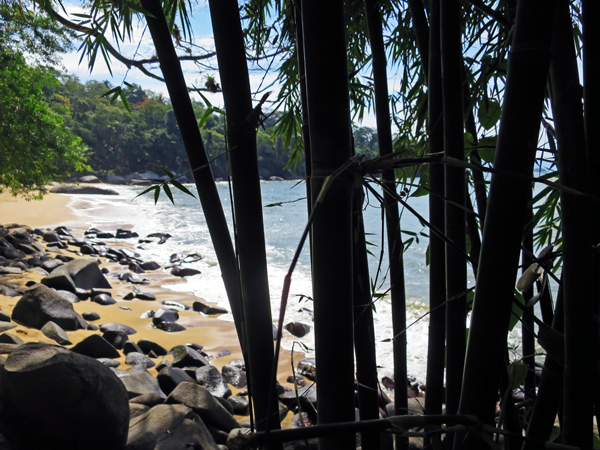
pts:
[488, 107]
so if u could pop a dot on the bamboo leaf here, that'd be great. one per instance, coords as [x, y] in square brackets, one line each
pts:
[124, 100]
[489, 114]
[181, 187]
[156, 194]
[517, 374]
[144, 192]
[140, 9]
[167, 190]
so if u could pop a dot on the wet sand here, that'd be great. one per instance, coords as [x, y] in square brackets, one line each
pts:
[210, 332]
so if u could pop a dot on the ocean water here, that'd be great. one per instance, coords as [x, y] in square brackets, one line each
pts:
[283, 228]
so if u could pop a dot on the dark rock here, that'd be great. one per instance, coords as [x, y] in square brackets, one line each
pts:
[104, 235]
[51, 236]
[8, 338]
[222, 353]
[123, 234]
[87, 249]
[150, 265]
[184, 356]
[51, 264]
[307, 396]
[130, 347]
[219, 436]
[10, 271]
[12, 253]
[225, 404]
[8, 291]
[308, 368]
[111, 326]
[5, 326]
[169, 377]
[41, 304]
[109, 362]
[165, 315]
[136, 410]
[169, 427]
[140, 384]
[70, 189]
[148, 400]
[129, 296]
[175, 305]
[145, 296]
[82, 294]
[92, 327]
[103, 299]
[211, 379]
[204, 404]
[139, 359]
[135, 268]
[297, 329]
[4, 317]
[68, 296]
[27, 249]
[116, 338]
[91, 412]
[64, 258]
[241, 406]
[301, 382]
[147, 314]
[131, 279]
[60, 280]
[90, 315]
[148, 346]
[116, 179]
[170, 327]
[206, 309]
[86, 274]
[95, 346]
[56, 333]
[185, 272]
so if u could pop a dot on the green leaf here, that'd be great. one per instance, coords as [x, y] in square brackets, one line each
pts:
[516, 311]
[139, 9]
[489, 114]
[517, 374]
[124, 100]
[181, 187]
[144, 192]
[156, 194]
[167, 190]
[487, 149]
[420, 192]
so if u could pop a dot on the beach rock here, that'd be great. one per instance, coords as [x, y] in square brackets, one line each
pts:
[141, 384]
[60, 399]
[222, 353]
[225, 404]
[184, 356]
[4, 317]
[95, 346]
[145, 296]
[148, 346]
[124, 234]
[86, 274]
[241, 406]
[297, 329]
[56, 333]
[204, 404]
[41, 304]
[300, 381]
[149, 400]
[87, 249]
[111, 326]
[234, 375]
[135, 410]
[130, 347]
[169, 377]
[90, 315]
[8, 338]
[10, 271]
[72, 189]
[211, 379]
[131, 279]
[21, 233]
[169, 427]
[89, 179]
[184, 272]
[146, 314]
[307, 396]
[103, 299]
[8, 291]
[175, 305]
[51, 236]
[5, 326]
[68, 296]
[170, 327]
[206, 309]
[135, 268]
[219, 436]
[60, 280]
[27, 249]
[139, 359]
[92, 327]
[308, 368]
[150, 265]
[116, 338]
[109, 362]
[116, 179]
[165, 315]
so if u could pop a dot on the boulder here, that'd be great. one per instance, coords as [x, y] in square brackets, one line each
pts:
[141, 384]
[149, 400]
[235, 376]
[297, 329]
[8, 292]
[89, 179]
[170, 327]
[72, 189]
[41, 304]
[206, 309]
[170, 377]
[60, 280]
[90, 316]
[165, 315]
[86, 274]
[241, 406]
[149, 265]
[95, 346]
[51, 236]
[211, 379]
[8, 338]
[111, 326]
[184, 272]
[68, 296]
[60, 399]
[148, 346]
[135, 409]
[139, 359]
[116, 338]
[168, 427]
[184, 356]
[103, 299]
[204, 404]
[56, 333]
[5, 326]
[130, 347]
[308, 368]
[116, 179]
[50, 264]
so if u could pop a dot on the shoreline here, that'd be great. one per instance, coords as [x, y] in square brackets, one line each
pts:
[213, 334]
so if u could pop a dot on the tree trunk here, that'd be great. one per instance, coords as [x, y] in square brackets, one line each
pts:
[192, 140]
[567, 110]
[242, 122]
[456, 265]
[528, 64]
[331, 146]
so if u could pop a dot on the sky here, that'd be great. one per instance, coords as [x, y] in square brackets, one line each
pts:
[141, 47]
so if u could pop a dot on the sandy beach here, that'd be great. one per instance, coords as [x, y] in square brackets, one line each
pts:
[213, 334]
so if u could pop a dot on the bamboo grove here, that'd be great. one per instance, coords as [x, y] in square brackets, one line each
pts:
[487, 93]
